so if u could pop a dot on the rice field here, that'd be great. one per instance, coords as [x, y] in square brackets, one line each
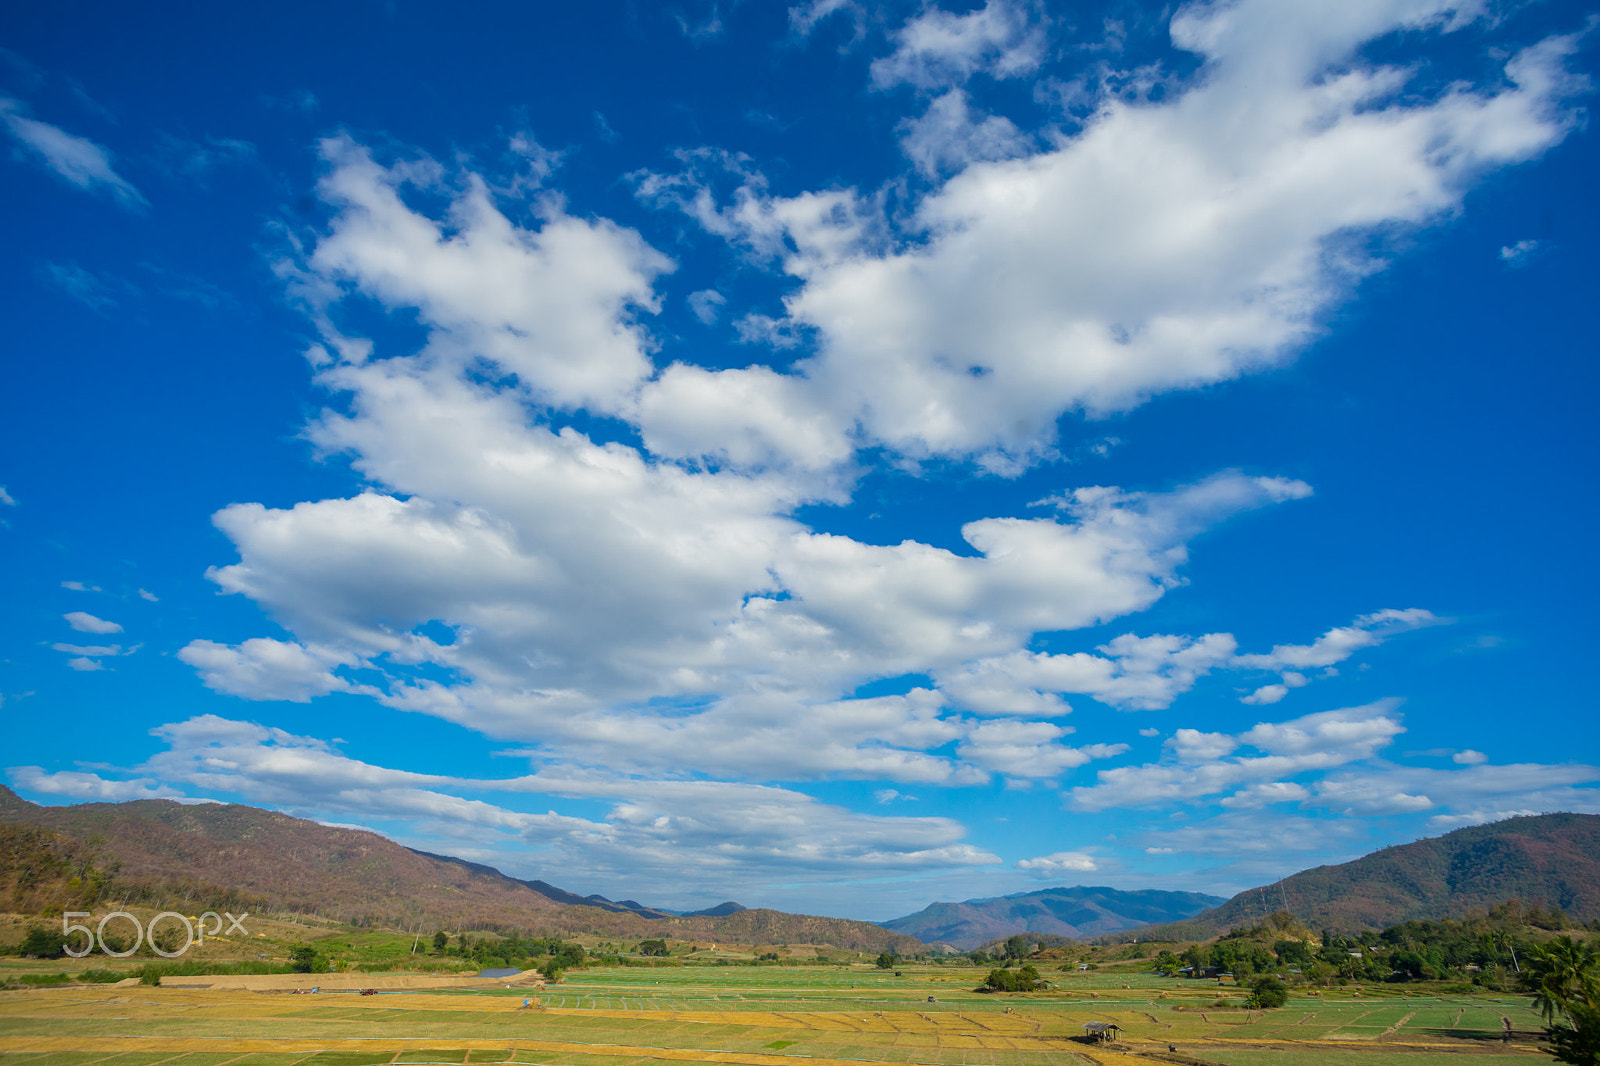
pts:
[769, 1016]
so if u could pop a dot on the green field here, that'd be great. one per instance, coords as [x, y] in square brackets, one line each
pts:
[766, 1016]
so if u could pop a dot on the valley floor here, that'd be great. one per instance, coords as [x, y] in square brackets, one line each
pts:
[772, 1016]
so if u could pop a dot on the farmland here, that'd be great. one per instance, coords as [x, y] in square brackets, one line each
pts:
[768, 1016]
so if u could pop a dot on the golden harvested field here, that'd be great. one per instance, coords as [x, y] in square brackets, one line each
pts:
[772, 1016]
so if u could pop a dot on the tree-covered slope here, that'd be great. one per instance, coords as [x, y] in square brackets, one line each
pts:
[1549, 859]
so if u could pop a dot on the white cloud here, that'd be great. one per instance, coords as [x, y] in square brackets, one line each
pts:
[1192, 745]
[655, 833]
[1059, 864]
[1148, 673]
[1266, 793]
[581, 580]
[146, 594]
[79, 586]
[84, 665]
[1150, 732]
[88, 623]
[803, 18]
[263, 669]
[1028, 749]
[1339, 643]
[1133, 673]
[655, 607]
[1204, 764]
[1166, 246]
[706, 29]
[1466, 795]
[706, 304]
[1356, 794]
[6, 499]
[948, 136]
[750, 418]
[1518, 254]
[92, 651]
[77, 160]
[1355, 733]
[1469, 757]
[87, 786]
[1334, 646]
[937, 48]
[550, 306]
[1252, 832]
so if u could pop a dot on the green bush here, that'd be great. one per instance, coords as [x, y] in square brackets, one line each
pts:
[1268, 992]
[42, 942]
[45, 979]
[102, 977]
[304, 958]
[1025, 979]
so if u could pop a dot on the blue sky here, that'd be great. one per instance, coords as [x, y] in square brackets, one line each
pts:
[834, 457]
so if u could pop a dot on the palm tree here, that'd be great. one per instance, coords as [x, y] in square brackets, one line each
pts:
[1564, 976]
[1562, 973]
[1503, 939]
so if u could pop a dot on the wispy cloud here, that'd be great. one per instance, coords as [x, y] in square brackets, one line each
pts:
[1519, 254]
[84, 622]
[77, 160]
[94, 291]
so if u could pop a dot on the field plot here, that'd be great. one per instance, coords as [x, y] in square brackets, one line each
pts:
[771, 1016]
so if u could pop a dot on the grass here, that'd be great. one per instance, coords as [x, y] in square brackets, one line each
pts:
[810, 1016]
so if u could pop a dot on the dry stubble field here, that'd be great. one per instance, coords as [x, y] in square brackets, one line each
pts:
[769, 1017]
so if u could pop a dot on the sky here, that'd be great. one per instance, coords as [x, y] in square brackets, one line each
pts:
[834, 457]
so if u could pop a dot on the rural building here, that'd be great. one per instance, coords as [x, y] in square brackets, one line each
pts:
[1103, 1031]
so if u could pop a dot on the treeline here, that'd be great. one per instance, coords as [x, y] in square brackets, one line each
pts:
[1488, 949]
[549, 955]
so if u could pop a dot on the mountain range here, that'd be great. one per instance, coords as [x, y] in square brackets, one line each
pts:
[1080, 913]
[248, 858]
[159, 851]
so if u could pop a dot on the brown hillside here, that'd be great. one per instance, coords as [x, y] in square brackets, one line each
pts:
[1552, 860]
[246, 858]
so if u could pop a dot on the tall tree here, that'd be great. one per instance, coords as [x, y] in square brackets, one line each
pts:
[1564, 977]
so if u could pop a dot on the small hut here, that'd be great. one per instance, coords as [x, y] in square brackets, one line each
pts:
[1103, 1031]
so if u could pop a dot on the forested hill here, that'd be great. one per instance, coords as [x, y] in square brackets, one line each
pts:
[246, 858]
[1079, 912]
[1552, 860]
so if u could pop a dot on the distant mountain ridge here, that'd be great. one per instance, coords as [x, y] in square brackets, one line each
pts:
[721, 910]
[1079, 912]
[1549, 859]
[267, 861]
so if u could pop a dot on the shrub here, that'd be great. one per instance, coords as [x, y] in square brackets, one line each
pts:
[43, 942]
[1025, 979]
[304, 958]
[102, 977]
[1268, 993]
